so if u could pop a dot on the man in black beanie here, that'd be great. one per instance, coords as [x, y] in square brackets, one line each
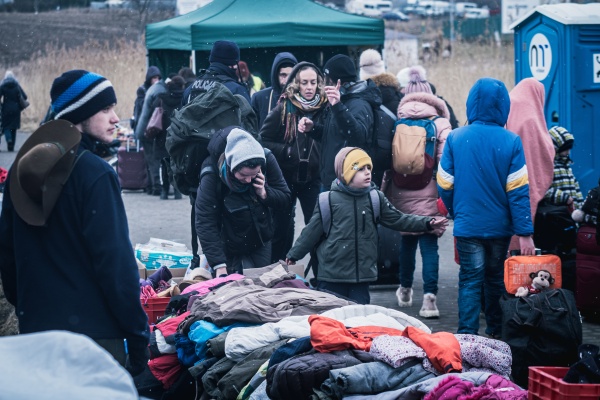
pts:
[67, 262]
[224, 58]
[350, 118]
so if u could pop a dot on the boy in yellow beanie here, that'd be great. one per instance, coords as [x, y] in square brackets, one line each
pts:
[347, 249]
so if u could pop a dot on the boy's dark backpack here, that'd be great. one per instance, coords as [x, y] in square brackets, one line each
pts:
[212, 107]
[414, 149]
[380, 144]
[542, 329]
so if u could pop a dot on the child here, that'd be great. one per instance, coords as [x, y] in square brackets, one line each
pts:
[564, 188]
[348, 254]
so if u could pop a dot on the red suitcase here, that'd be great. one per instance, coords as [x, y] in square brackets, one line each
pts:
[588, 271]
[131, 167]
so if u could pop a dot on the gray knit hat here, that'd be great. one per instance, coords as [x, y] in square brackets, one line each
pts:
[241, 146]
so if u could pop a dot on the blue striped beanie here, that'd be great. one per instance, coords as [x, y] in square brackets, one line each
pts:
[78, 94]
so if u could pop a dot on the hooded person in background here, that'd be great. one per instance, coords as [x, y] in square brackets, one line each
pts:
[63, 210]
[158, 87]
[526, 119]
[349, 119]
[153, 75]
[224, 58]
[239, 185]
[266, 100]
[10, 103]
[371, 67]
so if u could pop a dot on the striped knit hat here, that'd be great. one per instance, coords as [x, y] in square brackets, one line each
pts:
[561, 138]
[78, 94]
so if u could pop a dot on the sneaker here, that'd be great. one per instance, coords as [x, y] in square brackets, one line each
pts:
[429, 308]
[404, 296]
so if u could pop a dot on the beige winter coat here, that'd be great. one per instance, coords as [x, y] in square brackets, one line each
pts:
[422, 201]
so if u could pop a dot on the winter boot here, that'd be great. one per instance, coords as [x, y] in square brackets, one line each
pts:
[404, 296]
[176, 194]
[429, 308]
[164, 194]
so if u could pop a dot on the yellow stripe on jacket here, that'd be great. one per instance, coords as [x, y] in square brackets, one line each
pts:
[444, 179]
[517, 179]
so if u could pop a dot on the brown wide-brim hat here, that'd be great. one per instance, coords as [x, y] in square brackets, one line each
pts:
[41, 169]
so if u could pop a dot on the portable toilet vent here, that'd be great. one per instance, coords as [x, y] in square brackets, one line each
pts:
[559, 45]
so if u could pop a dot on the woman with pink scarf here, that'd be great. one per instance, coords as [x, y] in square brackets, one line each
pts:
[526, 119]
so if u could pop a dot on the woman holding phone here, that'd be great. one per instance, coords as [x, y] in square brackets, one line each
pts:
[297, 154]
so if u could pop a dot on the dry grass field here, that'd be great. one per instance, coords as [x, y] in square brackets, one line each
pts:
[109, 44]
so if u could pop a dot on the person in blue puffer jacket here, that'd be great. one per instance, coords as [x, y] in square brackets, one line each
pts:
[482, 179]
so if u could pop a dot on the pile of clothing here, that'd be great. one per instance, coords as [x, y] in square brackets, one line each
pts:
[267, 335]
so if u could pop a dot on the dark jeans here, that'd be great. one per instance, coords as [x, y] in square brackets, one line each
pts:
[259, 258]
[431, 261]
[481, 267]
[284, 219]
[152, 163]
[11, 136]
[357, 292]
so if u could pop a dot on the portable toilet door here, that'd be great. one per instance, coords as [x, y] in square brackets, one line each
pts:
[559, 45]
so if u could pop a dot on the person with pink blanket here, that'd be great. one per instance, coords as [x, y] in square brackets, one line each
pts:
[526, 119]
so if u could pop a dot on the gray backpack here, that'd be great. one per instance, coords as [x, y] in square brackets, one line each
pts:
[325, 209]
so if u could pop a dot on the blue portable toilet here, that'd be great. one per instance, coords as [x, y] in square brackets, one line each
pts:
[559, 45]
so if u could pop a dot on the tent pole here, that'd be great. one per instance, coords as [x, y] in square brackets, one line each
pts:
[194, 61]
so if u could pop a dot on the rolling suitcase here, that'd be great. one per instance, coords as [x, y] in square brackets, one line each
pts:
[131, 167]
[588, 271]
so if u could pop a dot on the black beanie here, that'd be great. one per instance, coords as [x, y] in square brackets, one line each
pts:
[225, 52]
[78, 94]
[340, 67]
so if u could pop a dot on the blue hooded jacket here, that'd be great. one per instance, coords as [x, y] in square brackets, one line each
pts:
[482, 176]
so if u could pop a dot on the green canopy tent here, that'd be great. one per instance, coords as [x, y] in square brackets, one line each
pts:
[261, 28]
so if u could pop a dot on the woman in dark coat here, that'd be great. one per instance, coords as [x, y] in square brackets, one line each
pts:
[10, 94]
[297, 154]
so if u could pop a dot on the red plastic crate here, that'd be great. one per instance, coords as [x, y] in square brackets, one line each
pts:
[155, 307]
[545, 383]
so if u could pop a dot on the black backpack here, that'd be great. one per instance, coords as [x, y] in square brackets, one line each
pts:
[380, 143]
[212, 108]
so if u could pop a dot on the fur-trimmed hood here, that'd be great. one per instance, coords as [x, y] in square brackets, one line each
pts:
[386, 79]
[425, 98]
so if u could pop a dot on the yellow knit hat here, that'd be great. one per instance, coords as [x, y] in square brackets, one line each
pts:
[351, 159]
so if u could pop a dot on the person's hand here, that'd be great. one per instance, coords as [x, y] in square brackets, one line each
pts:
[570, 205]
[526, 245]
[333, 93]
[438, 226]
[305, 125]
[290, 262]
[259, 185]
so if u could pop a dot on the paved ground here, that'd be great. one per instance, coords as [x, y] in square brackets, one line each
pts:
[150, 217]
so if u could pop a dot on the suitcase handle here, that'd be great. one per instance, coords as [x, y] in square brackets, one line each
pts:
[137, 144]
[517, 252]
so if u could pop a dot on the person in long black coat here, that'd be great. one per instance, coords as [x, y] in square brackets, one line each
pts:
[10, 103]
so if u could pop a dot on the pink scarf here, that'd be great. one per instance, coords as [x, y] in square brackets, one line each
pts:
[527, 120]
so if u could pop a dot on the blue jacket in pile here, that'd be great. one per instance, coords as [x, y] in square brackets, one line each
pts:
[482, 176]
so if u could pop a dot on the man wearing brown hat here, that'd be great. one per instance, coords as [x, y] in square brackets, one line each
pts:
[65, 256]
[350, 120]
